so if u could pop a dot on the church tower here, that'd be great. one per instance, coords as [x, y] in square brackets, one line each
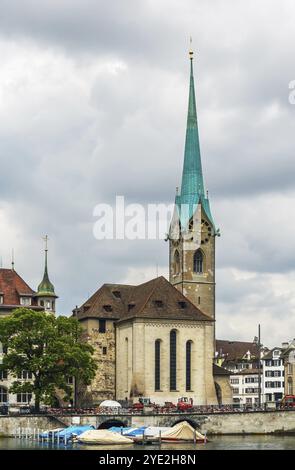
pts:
[46, 295]
[192, 231]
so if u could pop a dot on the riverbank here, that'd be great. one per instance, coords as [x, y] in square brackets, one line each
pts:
[257, 442]
[270, 422]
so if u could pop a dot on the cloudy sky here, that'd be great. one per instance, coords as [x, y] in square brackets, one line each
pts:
[93, 100]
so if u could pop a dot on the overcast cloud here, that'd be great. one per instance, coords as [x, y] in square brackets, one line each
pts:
[93, 101]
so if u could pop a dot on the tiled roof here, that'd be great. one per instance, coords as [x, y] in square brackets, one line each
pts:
[217, 370]
[235, 350]
[155, 299]
[269, 354]
[248, 372]
[12, 286]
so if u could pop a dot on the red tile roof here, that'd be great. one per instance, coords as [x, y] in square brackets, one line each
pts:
[12, 286]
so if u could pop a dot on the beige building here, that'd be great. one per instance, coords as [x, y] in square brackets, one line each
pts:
[150, 341]
[288, 355]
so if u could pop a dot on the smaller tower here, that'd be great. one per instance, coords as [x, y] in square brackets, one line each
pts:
[46, 294]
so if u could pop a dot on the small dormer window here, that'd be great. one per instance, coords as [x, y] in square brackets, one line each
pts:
[158, 303]
[108, 308]
[130, 307]
[26, 301]
[117, 294]
[276, 353]
[182, 304]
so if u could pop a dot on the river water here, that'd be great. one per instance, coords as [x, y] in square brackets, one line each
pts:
[265, 442]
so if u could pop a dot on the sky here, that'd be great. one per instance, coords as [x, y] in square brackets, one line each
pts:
[93, 103]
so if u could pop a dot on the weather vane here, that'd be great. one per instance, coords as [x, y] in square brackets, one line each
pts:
[46, 242]
[191, 52]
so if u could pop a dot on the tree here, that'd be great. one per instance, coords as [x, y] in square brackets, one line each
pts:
[50, 348]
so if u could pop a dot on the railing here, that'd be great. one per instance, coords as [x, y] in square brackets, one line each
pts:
[153, 409]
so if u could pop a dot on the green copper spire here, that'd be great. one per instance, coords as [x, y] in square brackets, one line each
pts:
[192, 176]
[192, 186]
[46, 288]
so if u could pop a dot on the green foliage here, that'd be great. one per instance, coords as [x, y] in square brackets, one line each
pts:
[51, 348]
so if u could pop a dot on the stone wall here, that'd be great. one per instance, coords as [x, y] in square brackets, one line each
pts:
[282, 422]
[103, 385]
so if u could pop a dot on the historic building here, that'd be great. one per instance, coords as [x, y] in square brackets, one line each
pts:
[288, 355]
[157, 339]
[192, 231]
[16, 293]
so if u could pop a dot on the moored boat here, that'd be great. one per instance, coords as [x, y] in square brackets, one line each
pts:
[183, 432]
[103, 437]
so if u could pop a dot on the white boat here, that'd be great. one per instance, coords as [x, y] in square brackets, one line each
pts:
[103, 437]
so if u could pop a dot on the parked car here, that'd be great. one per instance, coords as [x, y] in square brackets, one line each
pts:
[288, 401]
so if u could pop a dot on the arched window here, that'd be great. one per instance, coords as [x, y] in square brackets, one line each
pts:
[127, 365]
[176, 262]
[158, 365]
[3, 395]
[188, 366]
[173, 360]
[290, 386]
[198, 262]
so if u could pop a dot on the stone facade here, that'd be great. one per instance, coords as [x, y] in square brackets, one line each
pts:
[198, 287]
[103, 385]
[135, 372]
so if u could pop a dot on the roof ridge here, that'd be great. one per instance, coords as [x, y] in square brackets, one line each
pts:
[151, 293]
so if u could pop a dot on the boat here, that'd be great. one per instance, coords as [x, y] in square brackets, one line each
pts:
[49, 433]
[183, 432]
[103, 437]
[72, 432]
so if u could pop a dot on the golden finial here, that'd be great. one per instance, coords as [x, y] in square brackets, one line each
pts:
[191, 52]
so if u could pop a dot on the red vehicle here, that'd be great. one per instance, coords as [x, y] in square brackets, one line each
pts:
[288, 401]
[137, 406]
[184, 404]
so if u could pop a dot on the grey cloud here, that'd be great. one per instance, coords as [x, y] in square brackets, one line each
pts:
[77, 129]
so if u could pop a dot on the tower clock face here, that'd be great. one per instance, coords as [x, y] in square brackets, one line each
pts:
[206, 232]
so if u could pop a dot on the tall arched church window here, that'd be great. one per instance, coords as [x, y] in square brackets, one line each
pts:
[198, 262]
[188, 366]
[173, 360]
[158, 365]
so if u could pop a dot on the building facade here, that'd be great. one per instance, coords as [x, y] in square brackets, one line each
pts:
[245, 387]
[273, 382]
[16, 293]
[149, 341]
[288, 355]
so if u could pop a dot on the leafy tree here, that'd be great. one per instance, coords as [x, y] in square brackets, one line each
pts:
[51, 348]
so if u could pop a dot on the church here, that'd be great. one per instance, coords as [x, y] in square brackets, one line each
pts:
[157, 339]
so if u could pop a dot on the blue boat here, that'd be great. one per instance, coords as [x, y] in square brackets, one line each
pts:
[71, 431]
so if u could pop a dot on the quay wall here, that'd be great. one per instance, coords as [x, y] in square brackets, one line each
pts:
[280, 422]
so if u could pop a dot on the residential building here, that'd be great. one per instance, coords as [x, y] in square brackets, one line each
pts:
[273, 381]
[288, 356]
[16, 293]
